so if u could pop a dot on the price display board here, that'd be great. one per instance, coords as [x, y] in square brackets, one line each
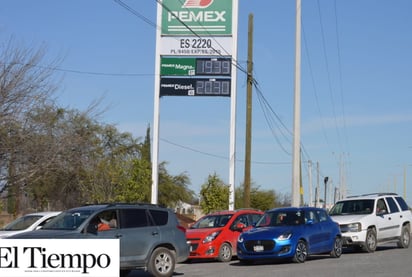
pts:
[195, 87]
[190, 66]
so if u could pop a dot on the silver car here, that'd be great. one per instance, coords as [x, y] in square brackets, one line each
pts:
[26, 223]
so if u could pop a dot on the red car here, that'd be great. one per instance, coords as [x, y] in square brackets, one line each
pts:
[215, 235]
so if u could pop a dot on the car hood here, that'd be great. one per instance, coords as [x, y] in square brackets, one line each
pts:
[267, 232]
[200, 233]
[346, 219]
[46, 234]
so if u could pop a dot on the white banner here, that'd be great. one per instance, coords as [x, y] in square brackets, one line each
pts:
[59, 257]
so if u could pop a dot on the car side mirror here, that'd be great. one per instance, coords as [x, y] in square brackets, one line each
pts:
[91, 228]
[239, 227]
[309, 222]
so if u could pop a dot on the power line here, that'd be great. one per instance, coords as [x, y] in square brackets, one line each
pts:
[328, 74]
[218, 156]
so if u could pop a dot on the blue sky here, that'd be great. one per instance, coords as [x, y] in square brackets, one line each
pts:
[356, 115]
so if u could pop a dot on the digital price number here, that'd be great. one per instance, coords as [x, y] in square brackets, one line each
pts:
[213, 66]
[213, 87]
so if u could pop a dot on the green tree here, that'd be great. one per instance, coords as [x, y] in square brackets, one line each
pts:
[259, 199]
[214, 195]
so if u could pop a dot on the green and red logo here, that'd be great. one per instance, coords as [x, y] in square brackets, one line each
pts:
[197, 3]
[200, 17]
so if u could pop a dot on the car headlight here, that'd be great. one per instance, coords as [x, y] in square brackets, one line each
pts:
[354, 227]
[211, 237]
[285, 236]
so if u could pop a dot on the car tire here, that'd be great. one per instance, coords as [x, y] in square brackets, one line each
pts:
[225, 253]
[301, 252]
[405, 238]
[371, 241]
[337, 248]
[162, 262]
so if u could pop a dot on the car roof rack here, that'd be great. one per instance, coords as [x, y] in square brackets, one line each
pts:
[373, 194]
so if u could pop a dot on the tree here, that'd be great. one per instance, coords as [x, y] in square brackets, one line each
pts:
[214, 195]
[259, 199]
[173, 189]
[24, 86]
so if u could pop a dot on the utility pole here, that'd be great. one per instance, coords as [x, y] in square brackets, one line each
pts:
[248, 146]
[317, 186]
[310, 182]
[326, 191]
[296, 124]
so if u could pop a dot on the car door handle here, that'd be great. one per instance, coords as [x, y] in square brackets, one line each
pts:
[155, 233]
[118, 236]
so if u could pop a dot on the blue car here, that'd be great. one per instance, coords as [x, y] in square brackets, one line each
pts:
[293, 233]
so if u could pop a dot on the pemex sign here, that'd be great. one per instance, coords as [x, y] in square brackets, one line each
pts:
[203, 17]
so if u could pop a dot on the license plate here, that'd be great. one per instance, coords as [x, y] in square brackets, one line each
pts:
[258, 248]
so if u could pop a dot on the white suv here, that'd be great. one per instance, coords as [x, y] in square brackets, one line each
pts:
[371, 219]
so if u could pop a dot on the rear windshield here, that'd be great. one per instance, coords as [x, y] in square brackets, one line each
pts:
[360, 206]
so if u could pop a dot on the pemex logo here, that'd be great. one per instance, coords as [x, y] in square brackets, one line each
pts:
[197, 3]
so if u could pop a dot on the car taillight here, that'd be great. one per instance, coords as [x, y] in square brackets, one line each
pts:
[181, 228]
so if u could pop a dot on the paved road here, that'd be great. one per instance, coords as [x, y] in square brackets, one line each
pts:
[387, 261]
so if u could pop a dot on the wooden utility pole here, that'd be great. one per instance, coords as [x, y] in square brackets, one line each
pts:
[248, 146]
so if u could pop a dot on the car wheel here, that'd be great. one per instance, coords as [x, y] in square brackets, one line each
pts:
[405, 238]
[371, 241]
[161, 263]
[225, 253]
[301, 252]
[337, 248]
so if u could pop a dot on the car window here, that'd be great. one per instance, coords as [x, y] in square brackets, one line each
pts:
[281, 218]
[255, 218]
[68, 220]
[132, 218]
[242, 219]
[381, 206]
[212, 221]
[402, 203]
[22, 223]
[322, 215]
[106, 220]
[361, 206]
[159, 217]
[311, 216]
[45, 221]
[392, 205]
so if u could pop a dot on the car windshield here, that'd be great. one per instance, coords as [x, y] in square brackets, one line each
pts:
[21, 223]
[281, 218]
[69, 220]
[359, 206]
[212, 221]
